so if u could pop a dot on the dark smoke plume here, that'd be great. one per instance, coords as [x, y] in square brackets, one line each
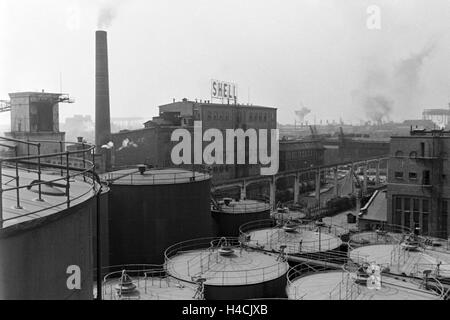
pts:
[378, 108]
[396, 86]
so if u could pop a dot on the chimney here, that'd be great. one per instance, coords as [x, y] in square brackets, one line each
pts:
[102, 113]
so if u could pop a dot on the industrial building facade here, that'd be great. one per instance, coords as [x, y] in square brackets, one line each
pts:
[152, 145]
[418, 184]
[301, 154]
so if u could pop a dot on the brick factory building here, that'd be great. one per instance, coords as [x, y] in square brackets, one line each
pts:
[301, 154]
[418, 185]
[152, 145]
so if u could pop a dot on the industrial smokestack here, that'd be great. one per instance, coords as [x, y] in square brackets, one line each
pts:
[102, 113]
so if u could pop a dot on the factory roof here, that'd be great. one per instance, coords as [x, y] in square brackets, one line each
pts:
[375, 209]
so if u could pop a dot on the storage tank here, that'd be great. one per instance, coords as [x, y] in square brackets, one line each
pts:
[355, 284]
[399, 251]
[145, 282]
[227, 269]
[46, 249]
[229, 215]
[153, 209]
[291, 236]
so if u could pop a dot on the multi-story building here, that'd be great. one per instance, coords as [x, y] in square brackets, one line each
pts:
[152, 144]
[418, 182]
[301, 154]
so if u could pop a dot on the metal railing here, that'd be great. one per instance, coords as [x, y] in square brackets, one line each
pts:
[64, 166]
[293, 241]
[207, 257]
[144, 276]
[157, 176]
[245, 206]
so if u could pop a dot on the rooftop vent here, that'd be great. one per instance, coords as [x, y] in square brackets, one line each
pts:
[142, 168]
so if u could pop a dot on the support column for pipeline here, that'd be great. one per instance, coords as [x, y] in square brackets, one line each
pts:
[273, 189]
[243, 191]
[364, 190]
[352, 173]
[318, 185]
[296, 188]
[336, 185]
[358, 205]
[377, 175]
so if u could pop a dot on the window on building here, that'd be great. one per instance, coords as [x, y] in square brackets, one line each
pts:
[416, 213]
[413, 175]
[399, 154]
[398, 211]
[424, 224]
[398, 175]
[426, 177]
[209, 115]
[407, 212]
[413, 155]
[443, 221]
[215, 115]
[422, 149]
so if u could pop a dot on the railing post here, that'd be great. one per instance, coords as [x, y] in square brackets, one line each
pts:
[1, 196]
[17, 187]
[61, 156]
[84, 162]
[68, 180]
[39, 171]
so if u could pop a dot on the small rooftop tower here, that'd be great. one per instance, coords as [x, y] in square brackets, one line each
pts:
[35, 116]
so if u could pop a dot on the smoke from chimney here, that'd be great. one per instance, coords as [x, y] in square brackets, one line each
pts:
[108, 12]
[106, 15]
[102, 108]
[386, 87]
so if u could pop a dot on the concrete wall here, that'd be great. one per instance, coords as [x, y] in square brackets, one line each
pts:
[35, 255]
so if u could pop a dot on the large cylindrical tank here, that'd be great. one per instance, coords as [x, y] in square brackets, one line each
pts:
[229, 215]
[45, 255]
[104, 228]
[152, 210]
[227, 269]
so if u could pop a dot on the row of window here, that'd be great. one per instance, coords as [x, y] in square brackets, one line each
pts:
[414, 154]
[241, 116]
[415, 213]
[300, 154]
[412, 213]
[413, 176]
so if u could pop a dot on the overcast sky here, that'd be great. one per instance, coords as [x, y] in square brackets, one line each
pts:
[319, 54]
